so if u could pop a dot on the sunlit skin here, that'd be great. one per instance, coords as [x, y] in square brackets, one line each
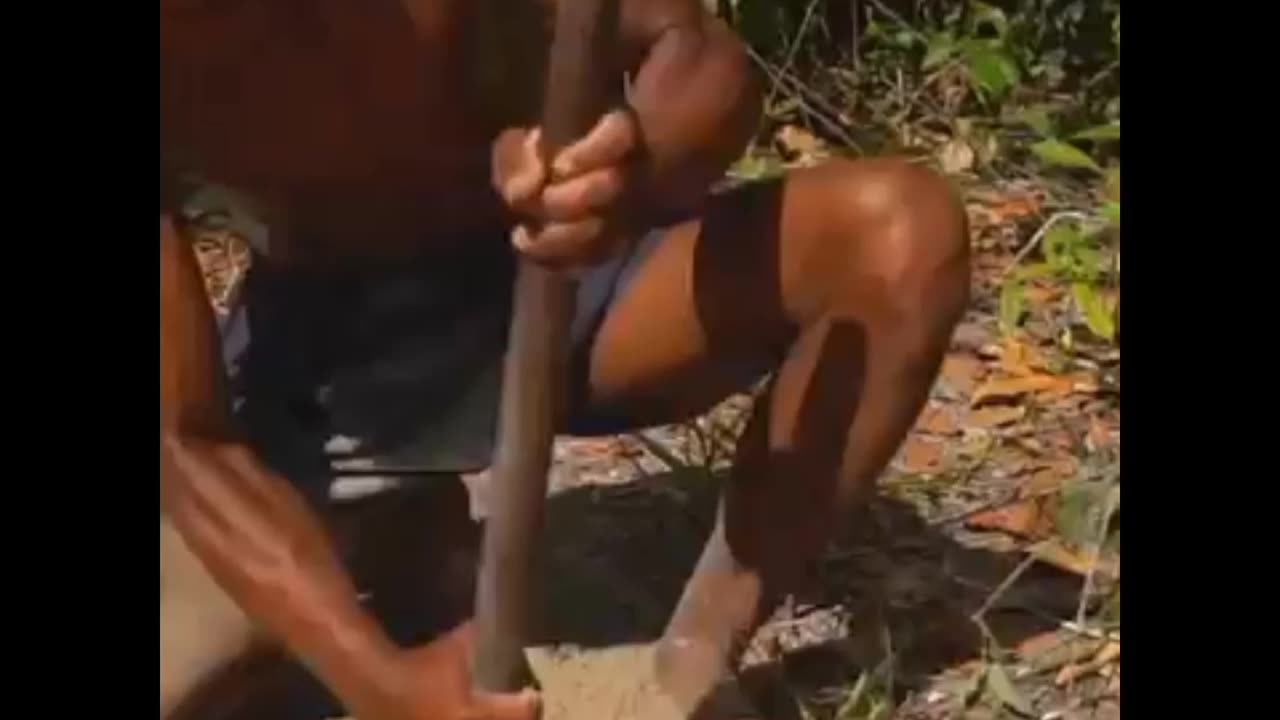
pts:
[362, 132]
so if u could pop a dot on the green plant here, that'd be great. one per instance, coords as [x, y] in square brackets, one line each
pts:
[980, 43]
[1081, 250]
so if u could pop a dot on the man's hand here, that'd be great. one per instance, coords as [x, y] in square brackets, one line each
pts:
[271, 555]
[435, 684]
[571, 213]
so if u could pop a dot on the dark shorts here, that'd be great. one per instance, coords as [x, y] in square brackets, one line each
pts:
[393, 367]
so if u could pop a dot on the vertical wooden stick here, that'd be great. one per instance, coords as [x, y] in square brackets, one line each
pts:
[581, 80]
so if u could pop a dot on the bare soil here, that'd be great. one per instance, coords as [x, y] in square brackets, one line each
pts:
[614, 683]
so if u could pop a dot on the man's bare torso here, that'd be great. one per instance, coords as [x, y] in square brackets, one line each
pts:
[360, 129]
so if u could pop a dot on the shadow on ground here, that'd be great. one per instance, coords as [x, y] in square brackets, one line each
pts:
[617, 555]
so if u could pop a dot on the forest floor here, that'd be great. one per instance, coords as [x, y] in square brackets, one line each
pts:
[982, 582]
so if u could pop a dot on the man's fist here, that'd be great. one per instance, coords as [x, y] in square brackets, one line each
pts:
[570, 211]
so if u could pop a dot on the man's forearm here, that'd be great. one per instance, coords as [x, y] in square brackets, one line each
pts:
[698, 102]
[265, 547]
[250, 529]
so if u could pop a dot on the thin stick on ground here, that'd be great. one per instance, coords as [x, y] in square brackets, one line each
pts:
[806, 99]
[1004, 586]
[794, 47]
[1035, 239]
[1112, 501]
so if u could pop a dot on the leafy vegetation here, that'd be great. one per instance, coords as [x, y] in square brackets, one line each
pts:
[1018, 102]
[988, 89]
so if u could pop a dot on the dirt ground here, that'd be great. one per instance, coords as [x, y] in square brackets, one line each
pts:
[971, 588]
[614, 683]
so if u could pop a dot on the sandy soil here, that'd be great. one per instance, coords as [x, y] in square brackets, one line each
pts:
[613, 683]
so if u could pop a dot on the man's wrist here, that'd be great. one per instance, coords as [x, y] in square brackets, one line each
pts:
[362, 667]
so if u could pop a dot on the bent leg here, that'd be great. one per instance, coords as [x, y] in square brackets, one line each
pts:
[846, 281]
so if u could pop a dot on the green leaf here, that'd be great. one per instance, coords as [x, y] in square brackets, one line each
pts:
[1112, 184]
[992, 69]
[1058, 245]
[1037, 118]
[942, 46]
[1111, 609]
[1100, 133]
[1002, 688]
[1061, 154]
[903, 39]
[1111, 211]
[984, 14]
[849, 708]
[1094, 308]
[1086, 263]
[1072, 518]
[756, 166]
[1012, 303]
[1034, 271]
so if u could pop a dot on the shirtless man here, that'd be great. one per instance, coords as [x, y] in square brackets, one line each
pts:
[388, 145]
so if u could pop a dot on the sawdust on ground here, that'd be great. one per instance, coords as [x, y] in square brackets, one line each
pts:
[614, 683]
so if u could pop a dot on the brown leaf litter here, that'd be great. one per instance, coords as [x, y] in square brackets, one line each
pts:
[1102, 660]
[1031, 518]
[921, 455]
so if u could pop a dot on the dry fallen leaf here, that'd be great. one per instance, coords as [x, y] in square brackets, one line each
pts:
[1099, 436]
[1044, 480]
[956, 156]
[1015, 207]
[1059, 439]
[1025, 518]
[938, 419]
[1020, 359]
[1041, 294]
[962, 371]
[1012, 388]
[1031, 445]
[1041, 643]
[996, 416]
[1052, 471]
[921, 455]
[991, 351]
[1010, 460]
[1053, 553]
[798, 142]
[1109, 653]
[1052, 650]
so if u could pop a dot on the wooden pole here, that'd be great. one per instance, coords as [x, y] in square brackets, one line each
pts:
[581, 81]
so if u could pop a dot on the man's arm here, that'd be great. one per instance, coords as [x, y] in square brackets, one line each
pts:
[697, 98]
[695, 101]
[252, 531]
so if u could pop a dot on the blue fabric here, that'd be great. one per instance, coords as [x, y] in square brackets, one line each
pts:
[392, 365]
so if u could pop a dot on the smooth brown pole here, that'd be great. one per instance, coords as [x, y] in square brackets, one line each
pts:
[581, 80]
